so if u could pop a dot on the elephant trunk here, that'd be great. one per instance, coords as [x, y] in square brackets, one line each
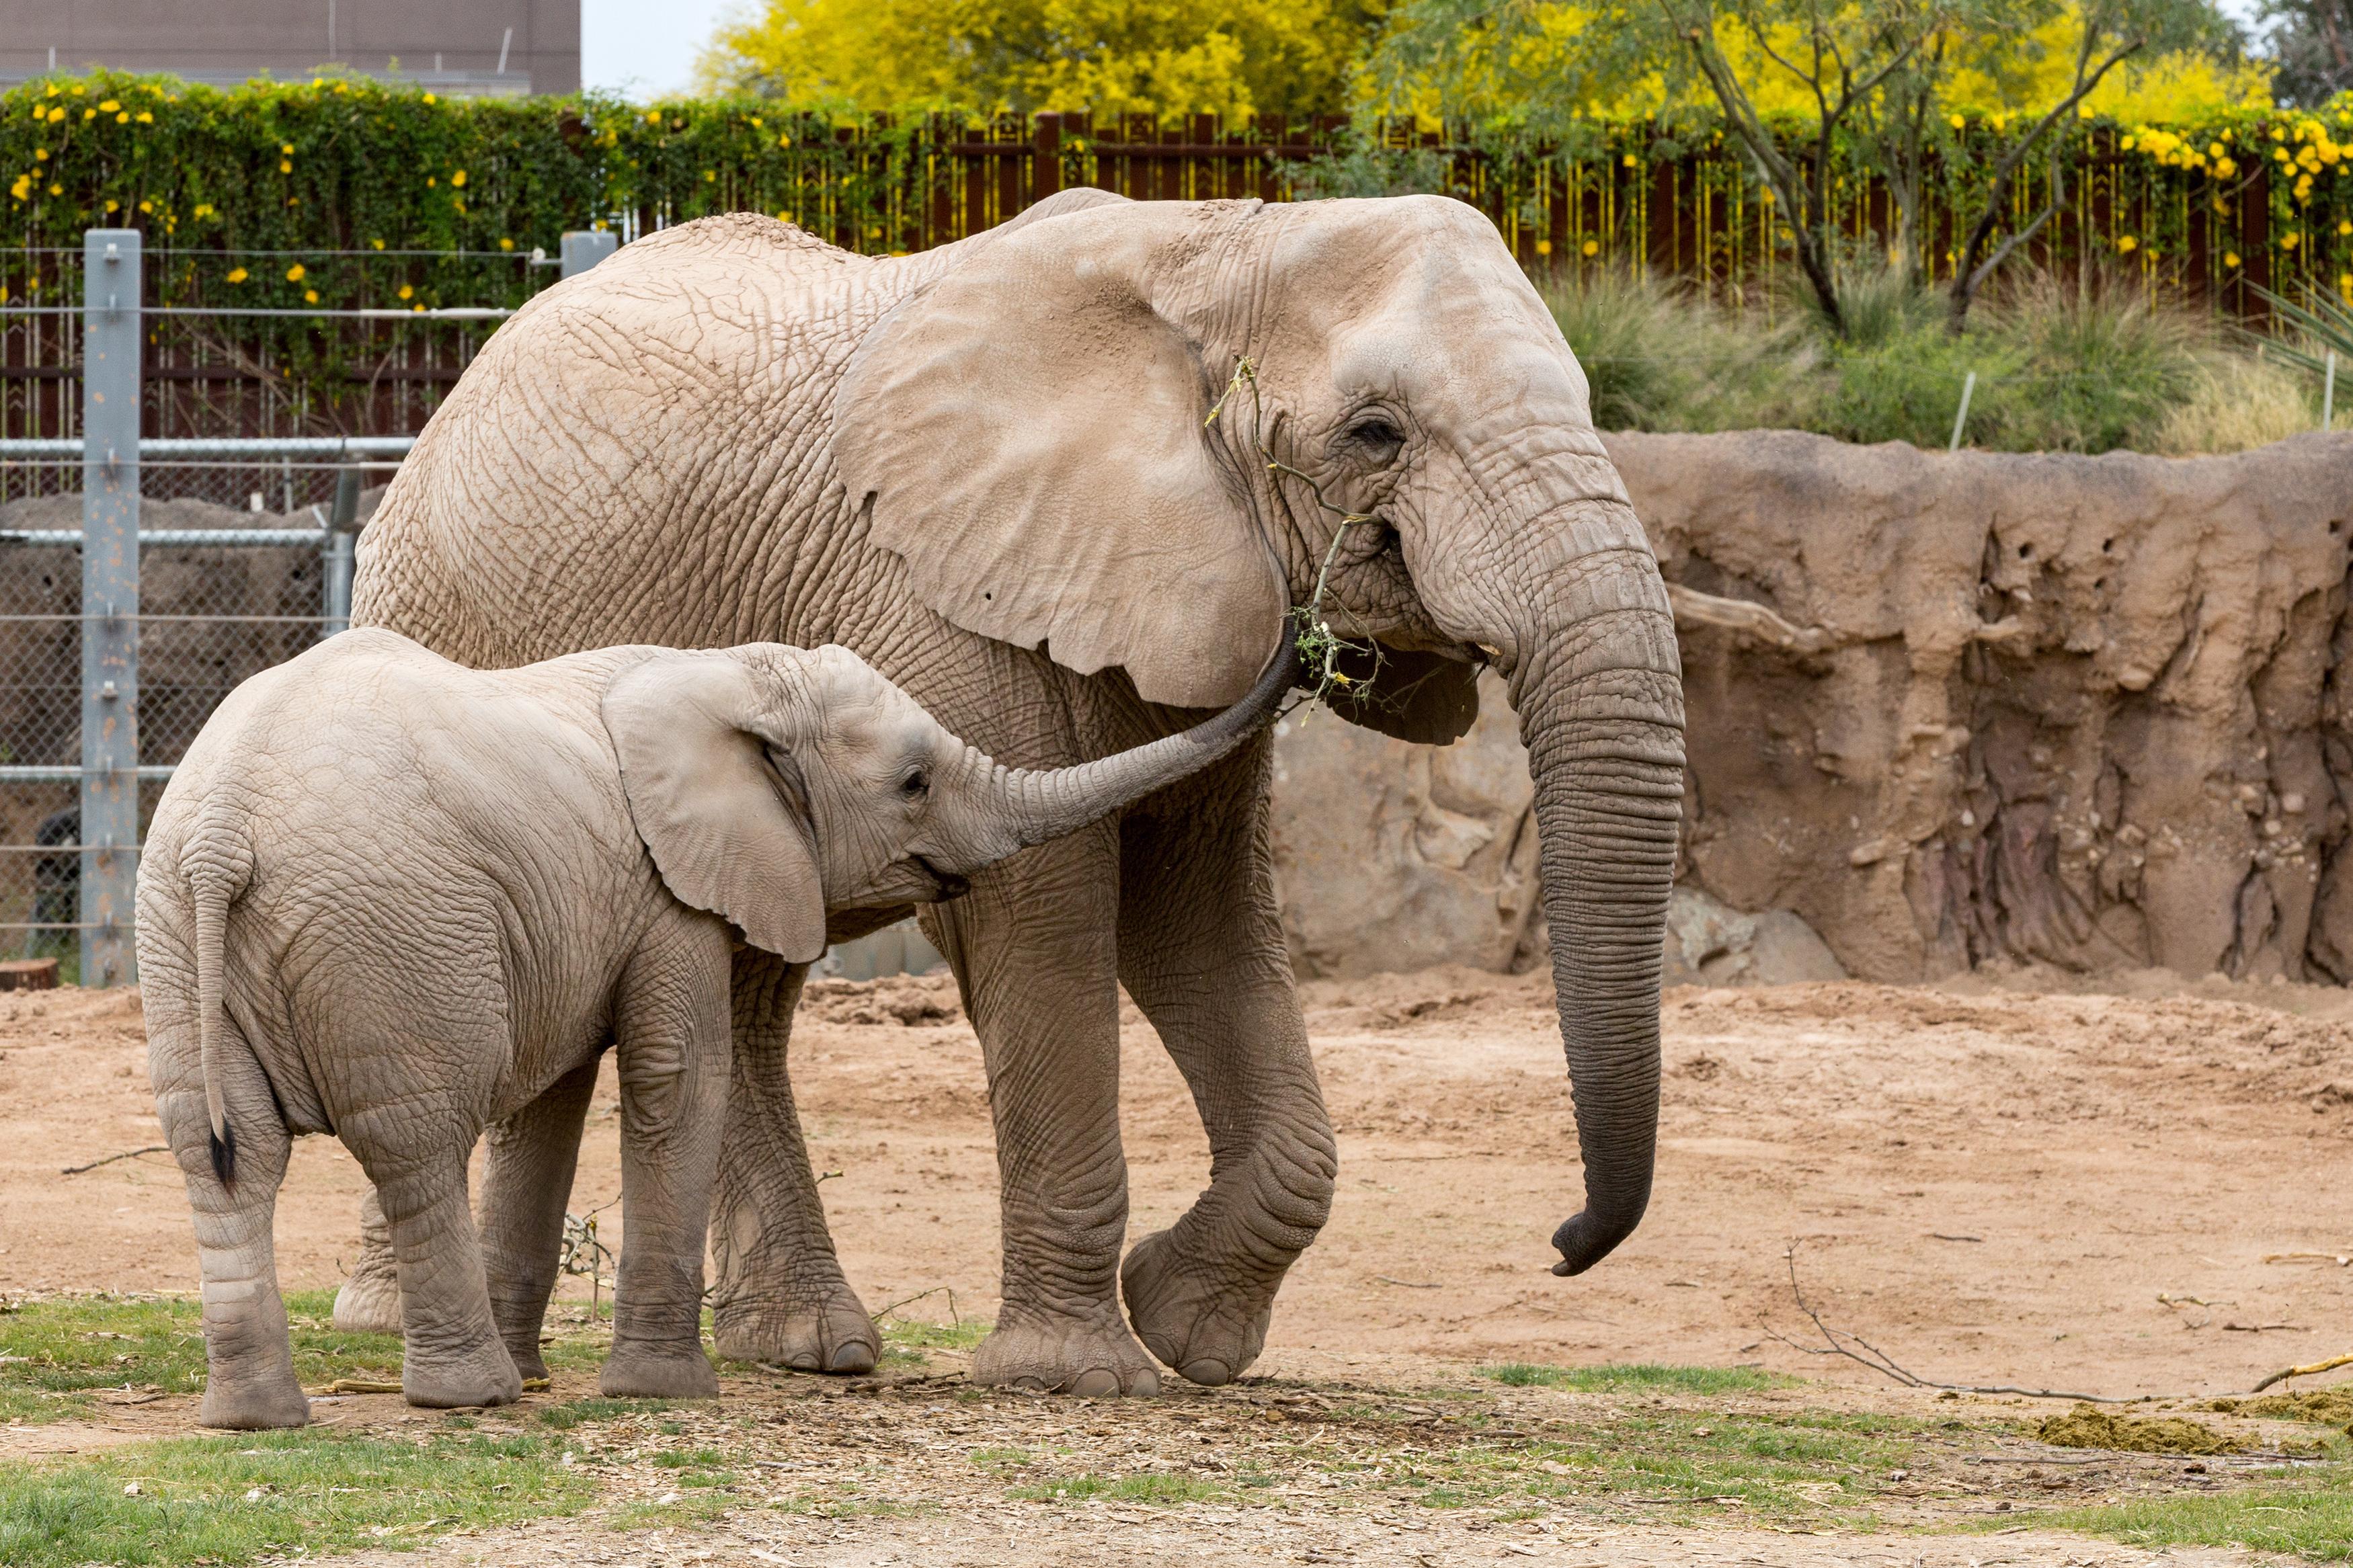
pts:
[1038, 804]
[1598, 688]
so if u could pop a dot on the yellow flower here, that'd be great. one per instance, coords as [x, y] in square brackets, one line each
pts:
[146, 117]
[57, 190]
[505, 244]
[709, 174]
[418, 309]
[285, 167]
[40, 154]
[294, 273]
[4, 293]
[2289, 242]
[756, 122]
[146, 207]
[204, 209]
[377, 243]
[2230, 258]
[458, 178]
[122, 119]
[1630, 160]
[408, 292]
[2083, 111]
[1591, 247]
[108, 107]
[22, 188]
[239, 275]
[32, 285]
[2345, 226]
[56, 115]
[2127, 245]
[653, 117]
[784, 141]
[2213, 149]
[1543, 248]
[90, 114]
[78, 90]
[428, 98]
[2225, 167]
[311, 295]
[1957, 122]
[2281, 153]
[431, 181]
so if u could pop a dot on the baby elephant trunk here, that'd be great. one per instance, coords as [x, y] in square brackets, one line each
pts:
[1034, 805]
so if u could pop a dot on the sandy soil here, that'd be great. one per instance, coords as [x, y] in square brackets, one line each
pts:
[1996, 1187]
[2102, 1192]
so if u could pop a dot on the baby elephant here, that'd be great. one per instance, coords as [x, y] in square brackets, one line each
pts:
[397, 900]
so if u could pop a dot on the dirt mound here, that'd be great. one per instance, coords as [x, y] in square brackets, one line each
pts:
[910, 1001]
[2089, 1426]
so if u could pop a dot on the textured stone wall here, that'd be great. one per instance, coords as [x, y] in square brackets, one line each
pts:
[1948, 710]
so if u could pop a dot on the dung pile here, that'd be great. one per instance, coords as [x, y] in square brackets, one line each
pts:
[2089, 1426]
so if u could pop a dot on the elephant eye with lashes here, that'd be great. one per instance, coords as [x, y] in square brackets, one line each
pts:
[1376, 437]
[916, 785]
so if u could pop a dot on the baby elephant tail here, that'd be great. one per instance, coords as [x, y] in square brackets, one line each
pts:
[219, 864]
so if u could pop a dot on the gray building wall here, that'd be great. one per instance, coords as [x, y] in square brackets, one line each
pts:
[450, 46]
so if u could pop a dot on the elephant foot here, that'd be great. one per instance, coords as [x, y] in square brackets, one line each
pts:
[643, 1372]
[1208, 1327]
[485, 1375]
[529, 1364]
[369, 1303]
[828, 1333]
[1066, 1355]
[260, 1405]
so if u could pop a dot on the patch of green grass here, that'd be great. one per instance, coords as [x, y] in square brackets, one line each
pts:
[577, 1412]
[2309, 1516]
[72, 1346]
[1003, 1458]
[234, 1497]
[1168, 1490]
[1622, 1377]
[906, 1343]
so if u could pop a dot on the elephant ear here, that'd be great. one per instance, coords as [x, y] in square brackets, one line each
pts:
[1028, 432]
[1408, 694]
[721, 822]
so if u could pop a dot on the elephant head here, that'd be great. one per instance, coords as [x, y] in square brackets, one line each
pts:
[1132, 433]
[773, 783]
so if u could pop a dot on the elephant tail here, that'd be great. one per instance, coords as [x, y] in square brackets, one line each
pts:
[219, 864]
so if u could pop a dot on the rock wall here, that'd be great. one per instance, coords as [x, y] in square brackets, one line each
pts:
[1948, 710]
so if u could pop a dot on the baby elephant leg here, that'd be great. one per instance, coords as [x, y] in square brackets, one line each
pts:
[369, 1301]
[250, 1383]
[782, 1296]
[527, 1172]
[670, 1034]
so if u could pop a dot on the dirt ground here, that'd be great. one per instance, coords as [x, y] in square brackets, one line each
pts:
[2138, 1191]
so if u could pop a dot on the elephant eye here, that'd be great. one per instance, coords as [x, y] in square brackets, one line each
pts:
[1378, 437]
[916, 785]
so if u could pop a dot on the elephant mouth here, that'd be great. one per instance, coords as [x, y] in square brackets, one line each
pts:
[943, 885]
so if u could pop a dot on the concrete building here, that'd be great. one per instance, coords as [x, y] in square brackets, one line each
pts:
[456, 47]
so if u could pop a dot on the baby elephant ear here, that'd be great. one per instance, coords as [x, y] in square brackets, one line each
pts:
[722, 823]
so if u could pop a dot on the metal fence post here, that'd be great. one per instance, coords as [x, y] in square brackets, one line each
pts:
[343, 533]
[110, 602]
[583, 247]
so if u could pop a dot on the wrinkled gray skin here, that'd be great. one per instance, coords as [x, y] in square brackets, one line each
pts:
[994, 470]
[395, 899]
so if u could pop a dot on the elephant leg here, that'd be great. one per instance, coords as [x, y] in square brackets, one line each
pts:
[250, 1383]
[451, 1354]
[1032, 946]
[1202, 952]
[527, 1172]
[672, 1044]
[782, 1297]
[369, 1301]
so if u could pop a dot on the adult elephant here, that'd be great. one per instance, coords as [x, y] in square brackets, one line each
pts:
[1061, 481]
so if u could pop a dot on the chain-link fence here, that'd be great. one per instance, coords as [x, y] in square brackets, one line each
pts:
[241, 560]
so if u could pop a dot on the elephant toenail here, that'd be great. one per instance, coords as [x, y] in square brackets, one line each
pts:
[853, 1357]
[1145, 1385]
[1095, 1384]
[1207, 1371]
[1027, 1384]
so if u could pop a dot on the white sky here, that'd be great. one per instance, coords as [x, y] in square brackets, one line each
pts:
[644, 47]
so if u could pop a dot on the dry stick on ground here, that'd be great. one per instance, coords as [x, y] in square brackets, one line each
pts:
[1839, 1342]
[126, 1154]
[2331, 1365]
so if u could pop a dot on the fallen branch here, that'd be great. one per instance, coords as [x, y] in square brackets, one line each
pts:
[1693, 608]
[1856, 1349]
[126, 1154]
[1407, 1284]
[2331, 1365]
[934, 1291]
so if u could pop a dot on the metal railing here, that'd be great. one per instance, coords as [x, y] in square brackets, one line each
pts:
[91, 854]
